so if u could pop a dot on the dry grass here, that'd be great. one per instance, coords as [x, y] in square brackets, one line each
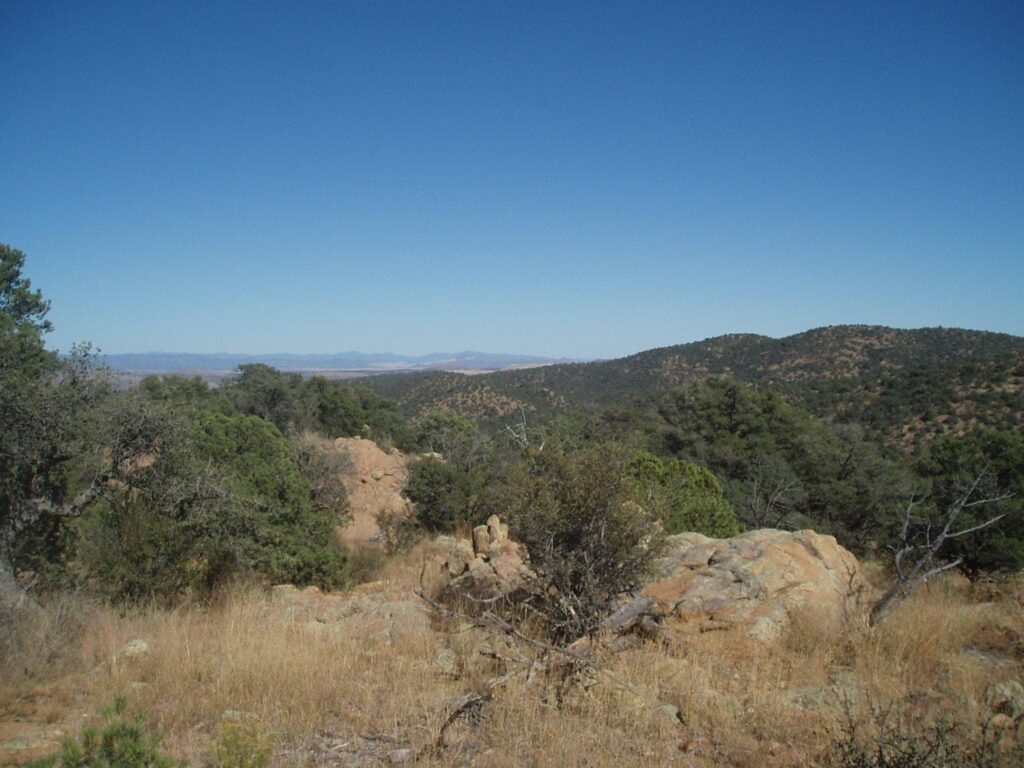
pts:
[319, 687]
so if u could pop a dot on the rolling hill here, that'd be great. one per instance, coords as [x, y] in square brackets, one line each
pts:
[904, 385]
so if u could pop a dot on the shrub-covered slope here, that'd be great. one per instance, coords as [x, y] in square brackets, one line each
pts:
[906, 385]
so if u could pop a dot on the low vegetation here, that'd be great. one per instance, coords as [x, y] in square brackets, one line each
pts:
[309, 690]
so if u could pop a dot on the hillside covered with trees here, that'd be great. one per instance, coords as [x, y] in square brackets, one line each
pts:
[905, 386]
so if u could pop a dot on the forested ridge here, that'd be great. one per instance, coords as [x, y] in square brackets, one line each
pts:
[906, 386]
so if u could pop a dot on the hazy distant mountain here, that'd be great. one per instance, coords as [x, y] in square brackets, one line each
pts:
[906, 385]
[361, 362]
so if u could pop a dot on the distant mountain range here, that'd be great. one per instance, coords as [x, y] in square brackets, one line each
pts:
[904, 385]
[214, 365]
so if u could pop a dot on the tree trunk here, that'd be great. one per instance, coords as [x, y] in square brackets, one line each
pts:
[886, 603]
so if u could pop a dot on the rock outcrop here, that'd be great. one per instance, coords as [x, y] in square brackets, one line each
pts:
[755, 581]
[487, 567]
[373, 483]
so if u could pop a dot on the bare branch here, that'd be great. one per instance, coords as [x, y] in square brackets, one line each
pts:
[927, 551]
[966, 531]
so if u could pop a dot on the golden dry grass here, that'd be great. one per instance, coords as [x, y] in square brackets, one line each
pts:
[317, 688]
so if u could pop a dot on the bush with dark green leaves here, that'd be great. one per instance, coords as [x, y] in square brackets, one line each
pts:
[169, 522]
[46, 439]
[441, 494]
[295, 536]
[466, 484]
[218, 497]
[684, 496]
[333, 408]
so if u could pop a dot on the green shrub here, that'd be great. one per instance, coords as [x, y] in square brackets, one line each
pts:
[296, 538]
[241, 745]
[995, 460]
[123, 743]
[685, 496]
[217, 497]
[174, 524]
[588, 540]
[437, 490]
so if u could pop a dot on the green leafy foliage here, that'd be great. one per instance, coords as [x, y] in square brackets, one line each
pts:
[464, 485]
[185, 393]
[588, 540]
[453, 436]
[23, 320]
[684, 496]
[295, 534]
[443, 495]
[124, 742]
[781, 466]
[333, 408]
[214, 497]
[241, 745]
[272, 395]
[170, 523]
[42, 399]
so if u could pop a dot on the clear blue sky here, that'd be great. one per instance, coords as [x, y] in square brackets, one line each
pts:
[582, 179]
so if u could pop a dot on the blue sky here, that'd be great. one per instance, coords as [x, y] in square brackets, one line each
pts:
[580, 179]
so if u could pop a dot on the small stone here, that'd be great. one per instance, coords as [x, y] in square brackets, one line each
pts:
[400, 755]
[377, 474]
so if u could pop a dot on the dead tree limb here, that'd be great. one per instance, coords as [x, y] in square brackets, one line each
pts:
[520, 433]
[915, 556]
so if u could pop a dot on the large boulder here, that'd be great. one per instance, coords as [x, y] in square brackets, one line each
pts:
[755, 581]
